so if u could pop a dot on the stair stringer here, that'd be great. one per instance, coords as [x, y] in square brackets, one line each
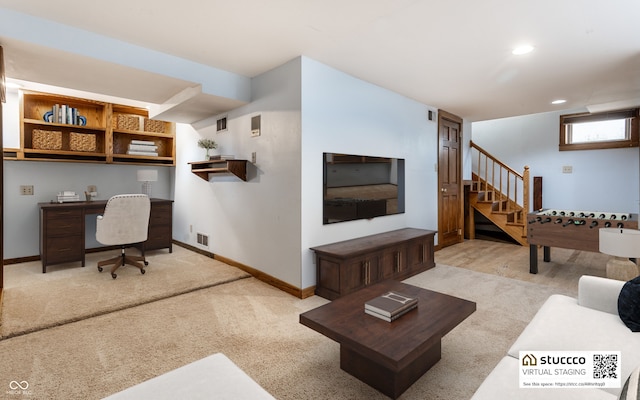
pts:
[500, 219]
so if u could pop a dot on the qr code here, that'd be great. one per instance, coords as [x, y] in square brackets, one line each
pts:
[605, 366]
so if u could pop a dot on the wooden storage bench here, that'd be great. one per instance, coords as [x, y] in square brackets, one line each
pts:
[347, 266]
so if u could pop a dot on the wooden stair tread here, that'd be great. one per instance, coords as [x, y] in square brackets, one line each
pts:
[497, 199]
[516, 230]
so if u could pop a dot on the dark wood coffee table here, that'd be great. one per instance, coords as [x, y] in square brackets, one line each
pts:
[389, 356]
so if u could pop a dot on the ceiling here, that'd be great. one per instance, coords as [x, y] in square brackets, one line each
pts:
[449, 54]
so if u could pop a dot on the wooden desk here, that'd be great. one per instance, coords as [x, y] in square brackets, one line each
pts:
[62, 229]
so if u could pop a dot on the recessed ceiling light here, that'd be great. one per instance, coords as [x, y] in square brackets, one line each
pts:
[524, 49]
[559, 101]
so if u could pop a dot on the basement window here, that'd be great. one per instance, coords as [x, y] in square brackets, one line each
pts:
[605, 130]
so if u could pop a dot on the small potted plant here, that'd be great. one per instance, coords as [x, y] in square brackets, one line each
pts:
[207, 144]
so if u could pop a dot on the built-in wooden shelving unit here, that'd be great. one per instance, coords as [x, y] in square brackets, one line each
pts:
[63, 128]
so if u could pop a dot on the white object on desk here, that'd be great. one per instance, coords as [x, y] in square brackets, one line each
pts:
[66, 196]
[213, 377]
[146, 176]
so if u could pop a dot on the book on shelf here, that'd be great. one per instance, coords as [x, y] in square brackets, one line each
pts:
[64, 114]
[143, 147]
[142, 153]
[391, 304]
[143, 142]
[392, 318]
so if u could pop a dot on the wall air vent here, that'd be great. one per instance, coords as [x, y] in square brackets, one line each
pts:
[221, 124]
[203, 239]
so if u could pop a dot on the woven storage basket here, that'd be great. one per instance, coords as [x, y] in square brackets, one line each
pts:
[152, 125]
[82, 141]
[46, 140]
[129, 122]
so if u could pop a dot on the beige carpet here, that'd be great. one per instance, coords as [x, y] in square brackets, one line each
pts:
[66, 293]
[257, 327]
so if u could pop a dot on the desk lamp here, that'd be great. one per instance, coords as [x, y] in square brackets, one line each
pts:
[146, 176]
[623, 244]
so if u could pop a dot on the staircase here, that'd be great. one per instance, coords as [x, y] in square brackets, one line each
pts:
[499, 193]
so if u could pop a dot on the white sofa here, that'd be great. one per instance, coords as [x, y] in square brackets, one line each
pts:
[213, 377]
[589, 323]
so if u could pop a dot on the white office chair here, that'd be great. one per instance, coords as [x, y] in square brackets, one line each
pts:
[125, 222]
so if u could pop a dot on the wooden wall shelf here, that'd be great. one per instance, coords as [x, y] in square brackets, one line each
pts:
[93, 131]
[232, 166]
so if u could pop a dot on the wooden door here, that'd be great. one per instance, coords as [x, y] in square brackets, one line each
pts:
[1, 211]
[2, 100]
[450, 199]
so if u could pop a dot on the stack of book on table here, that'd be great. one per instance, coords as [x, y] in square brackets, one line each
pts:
[390, 306]
[143, 148]
[66, 196]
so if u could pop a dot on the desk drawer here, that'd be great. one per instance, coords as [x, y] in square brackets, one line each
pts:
[62, 214]
[71, 225]
[160, 215]
[159, 238]
[61, 249]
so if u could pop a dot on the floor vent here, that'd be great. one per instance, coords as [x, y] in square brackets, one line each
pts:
[203, 239]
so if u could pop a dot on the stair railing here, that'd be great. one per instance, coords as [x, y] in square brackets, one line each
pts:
[509, 188]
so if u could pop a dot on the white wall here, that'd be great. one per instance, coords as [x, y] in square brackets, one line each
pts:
[270, 221]
[343, 114]
[602, 180]
[21, 213]
[466, 151]
[307, 108]
[256, 223]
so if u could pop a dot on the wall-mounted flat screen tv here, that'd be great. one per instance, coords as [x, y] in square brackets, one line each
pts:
[361, 187]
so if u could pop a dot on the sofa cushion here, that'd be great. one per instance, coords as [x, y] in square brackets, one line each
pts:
[562, 325]
[629, 304]
[631, 388]
[599, 293]
[503, 383]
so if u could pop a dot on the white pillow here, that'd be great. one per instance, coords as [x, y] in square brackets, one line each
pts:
[631, 388]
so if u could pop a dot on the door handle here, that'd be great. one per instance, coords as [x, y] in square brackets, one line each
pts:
[443, 189]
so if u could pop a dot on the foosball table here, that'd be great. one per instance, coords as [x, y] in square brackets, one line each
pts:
[570, 229]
